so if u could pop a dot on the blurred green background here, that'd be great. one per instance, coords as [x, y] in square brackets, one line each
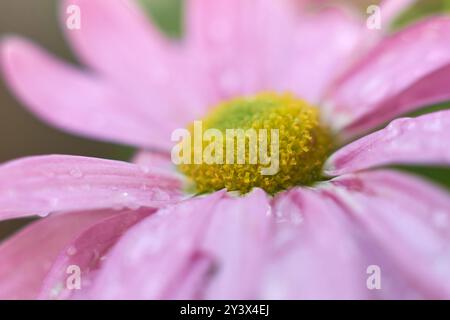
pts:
[21, 134]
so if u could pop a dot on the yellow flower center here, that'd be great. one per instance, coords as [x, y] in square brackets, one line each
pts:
[271, 141]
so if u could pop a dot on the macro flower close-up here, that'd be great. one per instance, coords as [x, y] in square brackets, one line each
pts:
[279, 145]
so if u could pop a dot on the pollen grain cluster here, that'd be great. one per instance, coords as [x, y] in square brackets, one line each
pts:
[303, 145]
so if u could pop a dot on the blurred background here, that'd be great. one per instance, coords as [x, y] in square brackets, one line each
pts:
[21, 134]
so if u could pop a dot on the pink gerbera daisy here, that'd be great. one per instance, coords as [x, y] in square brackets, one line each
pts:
[132, 231]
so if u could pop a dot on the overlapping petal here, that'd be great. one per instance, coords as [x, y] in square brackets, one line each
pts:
[26, 257]
[45, 184]
[421, 140]
[162, 253]
[313, 252]
[117, 40]
[210, 247]
[400, 74]
[74, 100]
[86, 253]
[243, 47]
[391, 9]
[408, 220]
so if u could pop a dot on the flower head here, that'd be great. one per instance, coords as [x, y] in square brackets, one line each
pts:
[313, 229]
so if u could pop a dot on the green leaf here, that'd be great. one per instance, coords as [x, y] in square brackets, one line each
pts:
[439, 175]
[428, 109]
[167, 14]
[421, 9]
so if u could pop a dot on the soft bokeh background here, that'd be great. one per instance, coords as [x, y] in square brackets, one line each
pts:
[21, 134]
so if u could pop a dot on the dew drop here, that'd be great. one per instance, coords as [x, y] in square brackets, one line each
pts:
[71, 251]
[76, 173]
[56, 290]
[393, 129]
[440, 219]
[43, 214]
[296, 218]
[160, 195]
[145, 169]
[125, 200]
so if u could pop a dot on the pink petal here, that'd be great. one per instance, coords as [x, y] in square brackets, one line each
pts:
[115, 38]
[251, 46]
[311, 57]
[154, 160]
[236, 240]
[409, 220]
[203, 248]
[161, 253]
[421, 140]
[403, 72]
[313, 252]
[87, 252]
[44, 184]
[26, 257]
[118, 42]
[73, 100]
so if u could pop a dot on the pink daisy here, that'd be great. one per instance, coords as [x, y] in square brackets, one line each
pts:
[134, 233]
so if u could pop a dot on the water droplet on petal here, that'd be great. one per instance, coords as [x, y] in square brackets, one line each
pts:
[56, 290]
[76, 173]
[160, 195]
[296, 218]
[71, 251]
[126, 200]
[145, 169]
[43, 214]
[441, 219]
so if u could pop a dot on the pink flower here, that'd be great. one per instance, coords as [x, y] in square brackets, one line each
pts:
[132, 231]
